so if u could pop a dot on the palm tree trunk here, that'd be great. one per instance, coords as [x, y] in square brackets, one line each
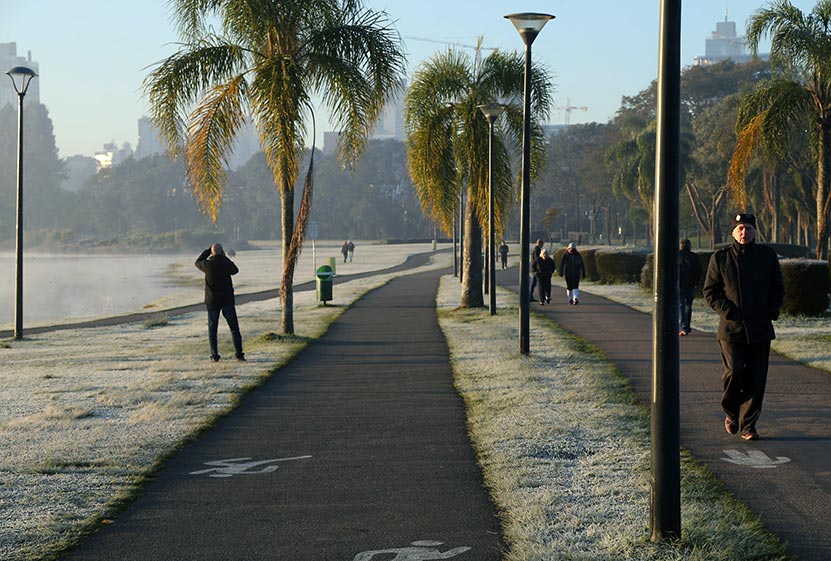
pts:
[472, 296]
[296, 236]
[823, 151]
[286, 293]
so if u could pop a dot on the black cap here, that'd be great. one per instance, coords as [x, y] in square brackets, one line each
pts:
[744, 218]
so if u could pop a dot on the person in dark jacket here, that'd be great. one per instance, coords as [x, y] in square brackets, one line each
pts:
[344, 249]
[744, 286]
[535, 254]
[545, 268]
[219, 296]
[689, 272]
[350, 249]
[503, 253]
[573, 269]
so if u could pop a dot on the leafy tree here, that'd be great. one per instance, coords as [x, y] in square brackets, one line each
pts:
[137, 196]
[634, 159]
[447, 146]
[797, 97]
[269, 59]
[706, 183]
[45, 204]
[577, 179]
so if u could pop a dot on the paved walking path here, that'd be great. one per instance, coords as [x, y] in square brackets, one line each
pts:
[785, 478]
[356, 449]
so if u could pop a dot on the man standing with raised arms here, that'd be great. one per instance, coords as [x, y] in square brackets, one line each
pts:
[219, 296]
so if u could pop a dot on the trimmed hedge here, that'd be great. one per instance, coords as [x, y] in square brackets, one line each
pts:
[806, 287]
[620, 266]
[590, 261]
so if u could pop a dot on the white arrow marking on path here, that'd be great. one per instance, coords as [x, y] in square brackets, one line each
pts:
[229, 468]
[754, 458]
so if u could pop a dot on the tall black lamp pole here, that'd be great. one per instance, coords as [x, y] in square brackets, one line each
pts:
[529, 26]
[21, 76]
[492, 111]
[666, 417]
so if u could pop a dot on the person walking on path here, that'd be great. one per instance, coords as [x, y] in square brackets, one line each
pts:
[219, 297]
[344, 249]
[503, 253]
[545, 268]
[689, 274]
[573, 269]
[535, 254]
[744, 286]
[350, 248]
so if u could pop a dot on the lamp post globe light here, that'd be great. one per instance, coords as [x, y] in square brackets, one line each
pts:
[491, 111]
[20, 76]
[529, 26]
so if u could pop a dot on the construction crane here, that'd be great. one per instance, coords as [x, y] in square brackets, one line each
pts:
[478, 48]
[568, 108]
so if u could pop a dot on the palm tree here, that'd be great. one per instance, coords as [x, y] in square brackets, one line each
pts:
[447, 143]
[268, 60]
[634, 158]
[798, 97]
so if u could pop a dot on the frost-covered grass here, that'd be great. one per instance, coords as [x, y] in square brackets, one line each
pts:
[86, 415]
[565, 449]
[804, 339]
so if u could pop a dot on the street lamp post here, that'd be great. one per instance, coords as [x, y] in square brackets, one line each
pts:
[20, 76]
[491, 111]
[529, 26]
[665, 496]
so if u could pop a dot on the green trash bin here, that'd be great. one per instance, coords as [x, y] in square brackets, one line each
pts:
[325, 277]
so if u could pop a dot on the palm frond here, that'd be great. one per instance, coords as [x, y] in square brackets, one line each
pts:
[356, 62]
[178, 82]
[212, 129]
[279, 102]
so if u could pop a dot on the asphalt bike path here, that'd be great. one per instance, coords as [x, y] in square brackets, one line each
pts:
[412, 261]
[784, 478]
[357, 450]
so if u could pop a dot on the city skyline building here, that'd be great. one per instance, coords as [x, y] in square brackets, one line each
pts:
[725, 44]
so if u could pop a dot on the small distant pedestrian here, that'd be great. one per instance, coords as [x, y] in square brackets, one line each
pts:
[350, 247]
[545, 268]
[503, 253]
[345, 250]
[219, 297]
[573, 269]
[535, 254]
[744, 286]
[689, 272]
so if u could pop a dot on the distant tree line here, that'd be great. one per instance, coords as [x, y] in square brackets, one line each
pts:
[597, 186]
[149, 196]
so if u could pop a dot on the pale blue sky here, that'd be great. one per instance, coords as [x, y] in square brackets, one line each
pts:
[93, 54]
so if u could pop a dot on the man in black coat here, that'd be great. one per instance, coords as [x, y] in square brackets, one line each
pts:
[689, 271]
[744, 286]
[219, 296]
